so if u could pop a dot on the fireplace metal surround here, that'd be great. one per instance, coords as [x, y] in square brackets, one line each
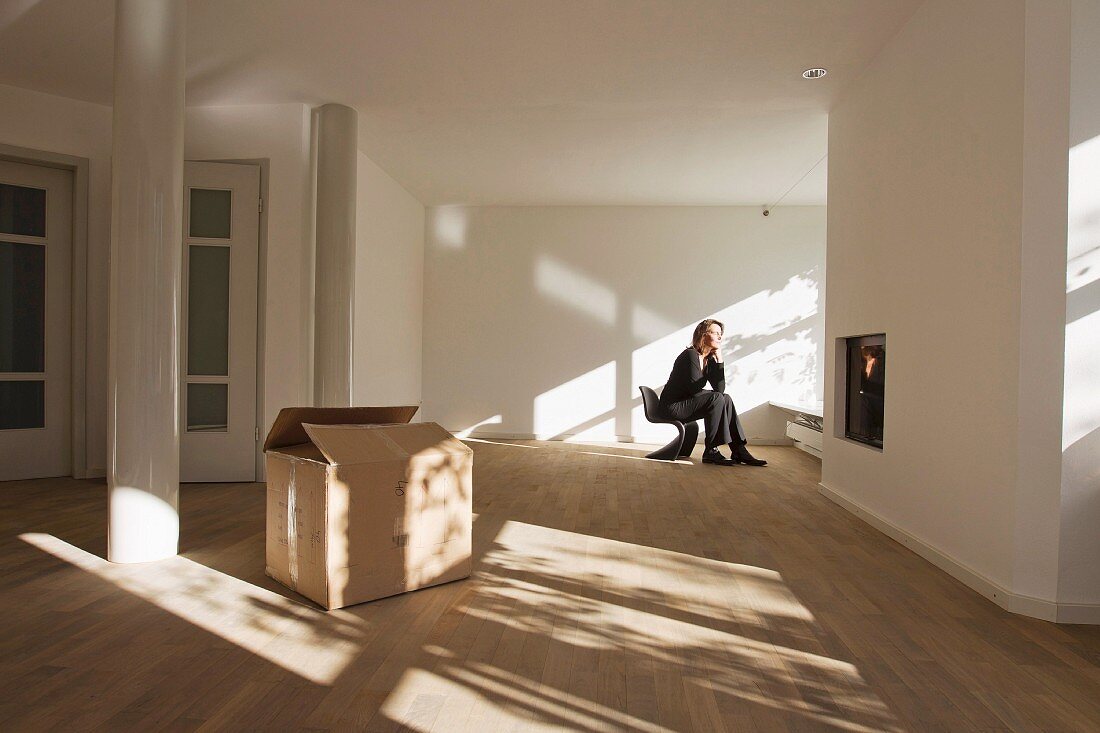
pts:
[865, 389]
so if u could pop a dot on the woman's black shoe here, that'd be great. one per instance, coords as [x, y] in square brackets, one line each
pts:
[713, 456]
[741, 455]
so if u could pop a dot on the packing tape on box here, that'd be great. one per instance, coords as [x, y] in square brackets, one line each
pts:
[400, 536]
[292, 528]
[398, 450]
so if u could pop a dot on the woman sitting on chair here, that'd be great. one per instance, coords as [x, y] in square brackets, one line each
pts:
[684, 398]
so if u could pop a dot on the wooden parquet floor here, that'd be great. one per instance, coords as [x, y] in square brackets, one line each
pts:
[610, 593]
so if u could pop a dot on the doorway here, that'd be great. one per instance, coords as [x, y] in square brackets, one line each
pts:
[36, 240]
[218, 432]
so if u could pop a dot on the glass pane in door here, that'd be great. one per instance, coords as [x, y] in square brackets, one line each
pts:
[22, 405]
[211, 212]
[22, 210]
[207, 407]
[208, 311]
[22, 307]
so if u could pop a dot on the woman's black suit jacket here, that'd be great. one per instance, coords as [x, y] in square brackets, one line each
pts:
[686, 398]
[688, 379]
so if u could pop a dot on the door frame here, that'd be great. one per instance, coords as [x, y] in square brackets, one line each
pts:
[79, 296]
[261, 293]
[79, 167]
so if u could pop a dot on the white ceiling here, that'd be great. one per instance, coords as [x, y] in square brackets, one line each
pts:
[516, 101]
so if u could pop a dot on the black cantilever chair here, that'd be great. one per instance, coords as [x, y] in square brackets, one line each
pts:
[683, 443]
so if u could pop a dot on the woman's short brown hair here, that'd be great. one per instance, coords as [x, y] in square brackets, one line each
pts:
[701, 330]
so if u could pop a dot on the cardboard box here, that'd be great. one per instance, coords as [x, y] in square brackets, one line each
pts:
[358, 510]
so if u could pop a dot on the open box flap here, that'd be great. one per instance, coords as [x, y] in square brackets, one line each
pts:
[426, 439]
[287, 428]
[350, 444]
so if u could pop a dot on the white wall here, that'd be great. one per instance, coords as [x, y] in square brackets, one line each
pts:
[279, 133]
[946, 215]
[57, 125]
[1079, 580]
[543, 321]
[389, 291]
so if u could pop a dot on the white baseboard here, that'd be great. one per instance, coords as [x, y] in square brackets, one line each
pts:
[493, 436]
[752, 441]
[808, 449]
[488, 435]
[1064, 613]
[1079, 613]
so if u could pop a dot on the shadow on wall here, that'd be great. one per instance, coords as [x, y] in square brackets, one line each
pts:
[552, 319]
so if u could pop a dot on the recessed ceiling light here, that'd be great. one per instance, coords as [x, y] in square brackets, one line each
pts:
[814, 73]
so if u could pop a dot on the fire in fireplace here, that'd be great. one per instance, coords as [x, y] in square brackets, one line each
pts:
[865, 403]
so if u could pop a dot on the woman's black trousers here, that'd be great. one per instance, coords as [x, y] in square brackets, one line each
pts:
[720, 421]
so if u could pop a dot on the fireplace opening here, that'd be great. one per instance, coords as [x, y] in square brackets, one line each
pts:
[866, 389]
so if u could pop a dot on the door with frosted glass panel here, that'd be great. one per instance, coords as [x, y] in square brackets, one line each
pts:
[218, 382]
[35, 321]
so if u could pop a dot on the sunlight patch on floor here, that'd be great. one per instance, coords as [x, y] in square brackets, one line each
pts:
[562, 630]
[282, 631]
[682, 462]
[499, 441]
[609, 608]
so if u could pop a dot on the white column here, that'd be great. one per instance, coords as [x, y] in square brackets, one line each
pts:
[1042, 298]
[337, 151]
[146, 249]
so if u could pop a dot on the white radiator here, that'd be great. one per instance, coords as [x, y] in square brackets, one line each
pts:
[806, 438]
